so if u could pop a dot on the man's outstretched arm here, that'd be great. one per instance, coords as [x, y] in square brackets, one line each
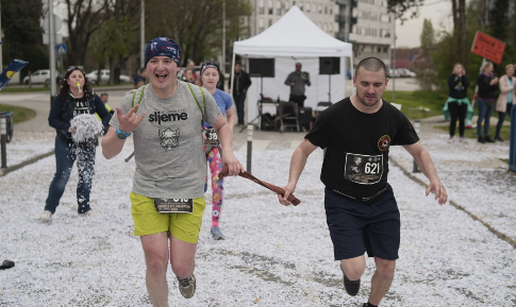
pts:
[297, 164]
[424, 161]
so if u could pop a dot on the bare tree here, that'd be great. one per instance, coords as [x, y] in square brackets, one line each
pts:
[83, 18]
[195, 25]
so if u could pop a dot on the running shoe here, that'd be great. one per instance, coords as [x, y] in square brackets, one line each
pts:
[351, 287]
[216, 233]
[187, 286]
[87, 213]
[488, 139]
[45, 216]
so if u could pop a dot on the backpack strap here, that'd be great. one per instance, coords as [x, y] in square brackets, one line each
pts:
[203, 98]
[132, 106]
[141, 96]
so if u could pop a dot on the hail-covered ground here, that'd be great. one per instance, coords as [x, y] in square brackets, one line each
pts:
[273, 255]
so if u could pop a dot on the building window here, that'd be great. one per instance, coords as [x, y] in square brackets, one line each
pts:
[308, 7]
[301, 6]
[261, 8]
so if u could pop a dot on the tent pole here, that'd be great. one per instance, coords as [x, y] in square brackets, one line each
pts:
[351, 69]
[231, 82]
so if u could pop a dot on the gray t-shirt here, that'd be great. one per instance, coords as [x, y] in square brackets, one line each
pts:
[299, 87]
[168, 144]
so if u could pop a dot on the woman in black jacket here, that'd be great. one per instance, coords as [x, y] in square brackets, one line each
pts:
[487, 85]
[457, 105]
[75, 97]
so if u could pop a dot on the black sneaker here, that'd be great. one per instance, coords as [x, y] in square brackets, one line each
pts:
[497, 138]
[351, 287]
[488, 139]
[481, 139]
[187, 286]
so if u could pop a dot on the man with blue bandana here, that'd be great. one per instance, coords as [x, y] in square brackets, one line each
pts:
[167, 199]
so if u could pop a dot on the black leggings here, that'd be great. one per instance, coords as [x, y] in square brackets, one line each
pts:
[459, 112]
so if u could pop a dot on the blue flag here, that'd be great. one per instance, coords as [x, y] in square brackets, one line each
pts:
[9, 72]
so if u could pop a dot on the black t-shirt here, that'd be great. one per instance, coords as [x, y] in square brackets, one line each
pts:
[357, 147]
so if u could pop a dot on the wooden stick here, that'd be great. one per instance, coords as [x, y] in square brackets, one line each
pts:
[295, 201]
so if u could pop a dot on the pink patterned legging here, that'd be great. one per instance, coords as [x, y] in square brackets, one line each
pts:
[215, 165]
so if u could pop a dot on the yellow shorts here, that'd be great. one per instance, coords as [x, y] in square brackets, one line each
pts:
[183, 226]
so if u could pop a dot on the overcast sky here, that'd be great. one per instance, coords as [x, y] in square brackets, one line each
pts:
[438, 11]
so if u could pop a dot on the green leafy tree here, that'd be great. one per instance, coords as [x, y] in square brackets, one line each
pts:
[401, 7]
[22, 34]
[114, 42]
[499, 20]
[427, 37]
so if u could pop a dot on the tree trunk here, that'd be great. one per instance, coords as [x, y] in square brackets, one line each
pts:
[455, 15]
[462, 31]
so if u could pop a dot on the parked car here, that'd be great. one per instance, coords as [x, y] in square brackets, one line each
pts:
[406, 73]
[104, 77]
[42, 76]
[393, 73]
[38, 77]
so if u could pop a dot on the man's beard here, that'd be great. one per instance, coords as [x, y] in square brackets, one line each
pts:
[363, 101]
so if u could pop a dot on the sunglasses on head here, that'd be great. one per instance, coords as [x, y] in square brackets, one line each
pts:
[72, 68]
[211, 63]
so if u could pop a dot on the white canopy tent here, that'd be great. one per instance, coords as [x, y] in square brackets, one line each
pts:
[294, 38]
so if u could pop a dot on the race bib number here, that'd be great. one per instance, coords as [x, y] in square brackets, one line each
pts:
[363, 169]
[211, 136]
[173, 205]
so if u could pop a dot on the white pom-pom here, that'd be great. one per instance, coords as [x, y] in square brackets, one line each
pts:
[87, 128]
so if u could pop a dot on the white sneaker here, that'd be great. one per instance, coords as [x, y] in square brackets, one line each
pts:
[87, 213]
[45, 216]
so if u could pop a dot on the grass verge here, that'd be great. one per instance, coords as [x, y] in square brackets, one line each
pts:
[19, 114]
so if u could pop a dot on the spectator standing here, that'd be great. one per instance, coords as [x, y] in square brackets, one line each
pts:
[487, 85]
[458, 106]
[506, 98]
[297, 80]
[140, 79]
[241, 83]
[188, 76]
[361, 210]
[167, 194]
[191, 65]
[105, 97]
[210, 75]
[75, 97]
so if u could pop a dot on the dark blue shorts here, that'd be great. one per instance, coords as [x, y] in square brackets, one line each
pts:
[356, 227]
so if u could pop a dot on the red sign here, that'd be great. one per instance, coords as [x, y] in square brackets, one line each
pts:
[488, 47]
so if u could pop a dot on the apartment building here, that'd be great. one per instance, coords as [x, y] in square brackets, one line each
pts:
[364, 23]
[267, 12]
[370, 28]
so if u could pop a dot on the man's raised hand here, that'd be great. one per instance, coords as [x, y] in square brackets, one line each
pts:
[130, 121]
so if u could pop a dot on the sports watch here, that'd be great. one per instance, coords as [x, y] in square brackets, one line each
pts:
[121, 134]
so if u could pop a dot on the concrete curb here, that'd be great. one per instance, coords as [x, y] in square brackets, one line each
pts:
[5, 171]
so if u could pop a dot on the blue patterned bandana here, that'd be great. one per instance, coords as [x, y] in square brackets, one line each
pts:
[163, 46]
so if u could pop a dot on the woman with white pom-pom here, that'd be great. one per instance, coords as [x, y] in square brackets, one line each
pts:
[72, 114]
